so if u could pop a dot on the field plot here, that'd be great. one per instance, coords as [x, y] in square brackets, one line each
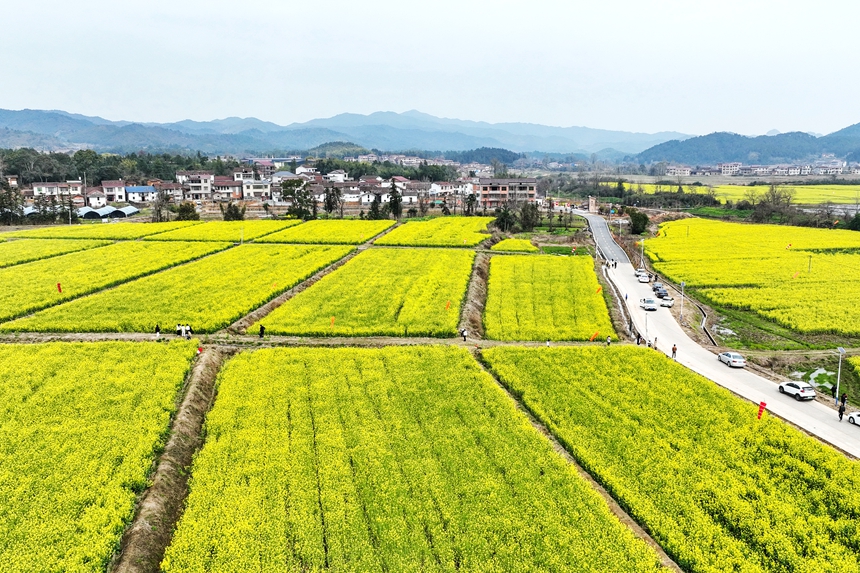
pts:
[803, 194]
[81, 424]
[796, 276]
[24, 251]
[117, 231]
[333, 232]
[515, 246]
[399, 459]
[32, 286]
[209, 294]
[544, 297]
[439, 232]
[384, 292]
[232, 231]
[717, 488]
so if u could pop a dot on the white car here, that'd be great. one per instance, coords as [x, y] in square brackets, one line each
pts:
[732, 359]
[644, 279]
[668, 302]
[648, 303]
[800, 390]
[854, 418]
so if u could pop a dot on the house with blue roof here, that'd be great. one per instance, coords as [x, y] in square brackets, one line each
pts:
[140, 193]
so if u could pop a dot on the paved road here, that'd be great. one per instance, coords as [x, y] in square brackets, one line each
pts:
[660, 325]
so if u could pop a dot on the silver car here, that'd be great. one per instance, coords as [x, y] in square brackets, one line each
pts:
[800, 390]
[667, 301]
[732, 359]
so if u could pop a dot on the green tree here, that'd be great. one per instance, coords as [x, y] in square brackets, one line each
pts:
[638, 221]
[332, 200]
[375, 211]
[529, 217]
[187, 212]
[506, 219]
[854, 223]
[302, 202]
[395, 201]
[232, 212]
[471, 204]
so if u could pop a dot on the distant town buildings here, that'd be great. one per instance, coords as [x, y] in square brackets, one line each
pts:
[824, 167]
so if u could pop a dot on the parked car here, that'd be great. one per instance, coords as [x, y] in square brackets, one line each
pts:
[648, 303]
[732, 359]
[640, 271]
[643, 279]
[657, 286]
[667, 301]
[661, 293]
[800, 390]
[854, 418]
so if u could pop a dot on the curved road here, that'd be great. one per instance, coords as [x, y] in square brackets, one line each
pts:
[661, 326]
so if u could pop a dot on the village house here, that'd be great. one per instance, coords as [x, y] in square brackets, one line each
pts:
[260, 190]
[140, 193]
[226, 189]
[114, 191]
[494, 193]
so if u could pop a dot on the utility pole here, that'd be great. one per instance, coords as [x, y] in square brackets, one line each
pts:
[683, 284]
[839, 375]
[809, 270]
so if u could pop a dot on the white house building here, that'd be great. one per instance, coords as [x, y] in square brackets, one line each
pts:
[141, 194]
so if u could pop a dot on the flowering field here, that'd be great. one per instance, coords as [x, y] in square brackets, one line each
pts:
[797, 276]
[24, 251]
[232, 231]
[439, 232]
[32, 286]
[117, 231]
[331, 231]
[544, 297]
[208, 294]
[717, 488]
[515, 246]
[804, 194]
[81, 424]
[386, 292]
[394, 459]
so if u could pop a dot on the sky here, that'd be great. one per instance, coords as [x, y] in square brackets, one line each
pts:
[747, 66]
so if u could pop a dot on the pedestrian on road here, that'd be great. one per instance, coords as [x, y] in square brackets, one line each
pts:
[157, 331]
[463, 333]
[608, 340]
[674, 351]
[841, 411]
[182, 330]
[638, 339]
[625, 296]
[262, 331]
[833, 390]
[844, 398]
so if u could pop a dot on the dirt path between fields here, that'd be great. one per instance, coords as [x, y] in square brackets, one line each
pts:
[144, 542]
[472, 316]
[613, 505]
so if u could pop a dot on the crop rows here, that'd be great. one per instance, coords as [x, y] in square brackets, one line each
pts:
[208, 294]
[394, 292]
[515, 246]
[717, 488]
[32, 286]
[545, 297]
[80, 427]
[114, 231]
[399, 459]
[232, 231]
[25, 251]
[340, 231]
[439, 232]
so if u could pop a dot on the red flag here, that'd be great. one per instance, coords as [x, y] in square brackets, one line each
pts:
[600, 288]
[788, 247]
[595, 335]
[796, 274]
[332, 322]
[448, 305]
[59, 288]
[761, 407]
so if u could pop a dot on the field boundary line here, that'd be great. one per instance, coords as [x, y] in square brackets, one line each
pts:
[475, 301]
[162, 504]
[614, 507]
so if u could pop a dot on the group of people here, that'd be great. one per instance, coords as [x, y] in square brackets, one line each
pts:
[184, 331]
[611, 264]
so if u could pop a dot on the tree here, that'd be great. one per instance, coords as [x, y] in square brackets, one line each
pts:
[375, 211]
[506, 219]
[332, 200]
[303, 205]
[232, 212]
[159, 207]
[471, 204]
[529, 217]
[187, 212]
[395, 201]
[11, 204]
[638, 221]
[854, 223]
[423, 202]
[445, 210]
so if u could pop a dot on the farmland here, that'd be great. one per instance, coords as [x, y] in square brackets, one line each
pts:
[32, 286]
[208, 294]
[515, 246]
[720, 490]
[394, 292]
[804, 194]
[81, 423]
[385, 460]
[24, 251]
[332, 231]
[439, 232]
[544, 297]
[790, 277]
[115, 231]
[232, 231]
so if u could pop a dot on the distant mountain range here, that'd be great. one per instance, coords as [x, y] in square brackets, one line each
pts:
[60, 130]
[764, 149]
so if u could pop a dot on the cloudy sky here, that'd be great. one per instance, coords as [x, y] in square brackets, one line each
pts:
[746, 66]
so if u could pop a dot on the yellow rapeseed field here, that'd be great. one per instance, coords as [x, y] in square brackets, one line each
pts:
[439, 232]
[515, 246]
[233, 231]
[26, 250]
[331, 231]
[117, 231]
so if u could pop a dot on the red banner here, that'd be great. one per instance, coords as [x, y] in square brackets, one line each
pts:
[59, 288]
[332, 322]
[595, 335]
[448, 305]
[761, 407]
[600, 288]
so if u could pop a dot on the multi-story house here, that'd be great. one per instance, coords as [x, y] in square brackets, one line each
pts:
[494, 192]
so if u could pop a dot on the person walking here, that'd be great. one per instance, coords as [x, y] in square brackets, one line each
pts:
[841, 411]
[262, 331]
[608, 340]
[463, 333]
[179, 331]
[674, 351]
[833, 391]
[844, 398]
[157, 331]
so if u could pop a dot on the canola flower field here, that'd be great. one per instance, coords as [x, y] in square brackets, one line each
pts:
[208, 294]
[32, 286]
[381, 292]
[804, 194]
[439, 232]
[544, 297]
[114, 231]
[232, 231]
[717, 488]
[27, 250]
[81, 424]
[798, 277]
[515, 246]
[330, 231]
[394, 459]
